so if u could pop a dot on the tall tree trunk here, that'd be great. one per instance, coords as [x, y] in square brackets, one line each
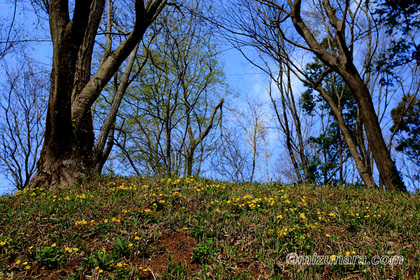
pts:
[61, 160]
[68, 143]
[286, 130]
[343, 65]
[386, 166]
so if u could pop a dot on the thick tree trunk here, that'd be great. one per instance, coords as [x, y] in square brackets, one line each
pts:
[68, 143]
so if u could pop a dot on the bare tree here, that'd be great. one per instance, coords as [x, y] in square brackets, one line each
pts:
[252, 120]
[338, 22]
[231, 160]
[23, 107]
[173, 105]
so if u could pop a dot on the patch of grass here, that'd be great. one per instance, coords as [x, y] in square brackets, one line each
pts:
[191, 228]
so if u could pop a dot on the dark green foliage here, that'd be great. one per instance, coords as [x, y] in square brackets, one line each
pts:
[49, 256]
[204, 250]
[403, 15]
[323, 165]
[402, 21]
[406, 118]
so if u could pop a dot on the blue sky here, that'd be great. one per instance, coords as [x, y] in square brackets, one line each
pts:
[241, 76]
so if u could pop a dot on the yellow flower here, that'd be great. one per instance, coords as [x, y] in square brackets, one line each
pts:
[53, 245]
[136, 237]
[332, 215]
[27, 267]
[130, 245]
[347, 253]
[18, 262]
[327, 235]
[302, 215]
[279, 217]
[119, 264]
[353, 252]
[333, 257]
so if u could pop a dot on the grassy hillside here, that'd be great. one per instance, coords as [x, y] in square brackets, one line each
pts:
[146, 228]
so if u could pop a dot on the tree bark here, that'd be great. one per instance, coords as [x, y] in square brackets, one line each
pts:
[68, 144]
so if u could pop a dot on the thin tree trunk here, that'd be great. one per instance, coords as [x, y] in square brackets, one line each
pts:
[361, 167]
[343, 65]
[98, 154]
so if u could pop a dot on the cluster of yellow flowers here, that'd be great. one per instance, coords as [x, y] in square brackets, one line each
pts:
[333, 257]
[158, 195]
[70, 250]
[84, 196]
[4, 242]
[270, 201]
[115, 220]
[92, 222]
[285, 231]
[56, 199]
[247, 200]
[98, 269]
[189, 180]
[303, 202]
[24, 264]
[302, 236]
[332, 215]
[369, 213]
[83, 222]
[131, 187]
[33, 190]
[255, 203]
[174, 194]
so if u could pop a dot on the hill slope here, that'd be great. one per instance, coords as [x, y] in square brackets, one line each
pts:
[146, 228]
